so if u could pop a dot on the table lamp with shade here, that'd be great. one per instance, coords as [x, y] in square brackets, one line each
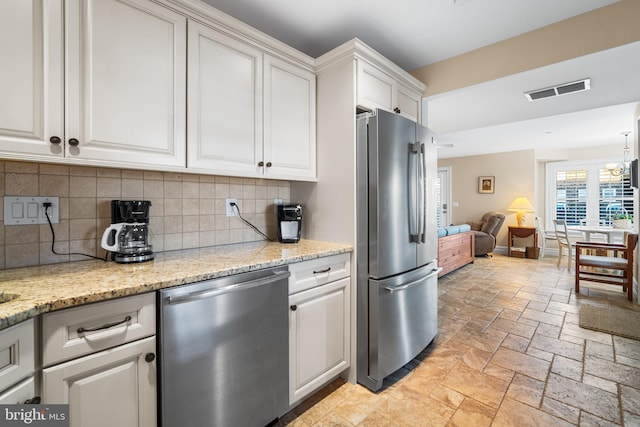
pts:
[521, 205]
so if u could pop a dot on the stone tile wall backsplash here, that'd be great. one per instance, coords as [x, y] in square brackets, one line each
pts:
[188, 210]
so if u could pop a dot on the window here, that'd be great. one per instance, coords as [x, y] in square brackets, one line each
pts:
[586, 191]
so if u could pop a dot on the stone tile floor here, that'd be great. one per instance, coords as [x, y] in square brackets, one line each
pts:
[509, 352]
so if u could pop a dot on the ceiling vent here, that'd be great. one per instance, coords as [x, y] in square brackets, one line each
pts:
[563, 89]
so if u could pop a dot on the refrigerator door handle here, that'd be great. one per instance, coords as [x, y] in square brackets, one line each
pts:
[414, 193]
[422, 195]
[393, 289]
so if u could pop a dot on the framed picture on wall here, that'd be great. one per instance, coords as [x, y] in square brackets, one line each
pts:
[486, 184]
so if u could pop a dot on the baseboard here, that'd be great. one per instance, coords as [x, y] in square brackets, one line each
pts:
[549, 252]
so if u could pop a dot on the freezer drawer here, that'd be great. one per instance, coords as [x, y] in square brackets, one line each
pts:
[403, 320]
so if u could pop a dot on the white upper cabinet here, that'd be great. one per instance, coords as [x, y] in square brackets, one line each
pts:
[409, 102]
[31, 80]
[125, 93]
[107, 83]
[224, 103]
[289, 120]
[376, 88]
[249, 113]
[121, 97]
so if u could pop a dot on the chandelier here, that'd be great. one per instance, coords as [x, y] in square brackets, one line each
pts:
[621, 168]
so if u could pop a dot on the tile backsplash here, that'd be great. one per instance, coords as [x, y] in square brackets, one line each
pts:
[188, 210]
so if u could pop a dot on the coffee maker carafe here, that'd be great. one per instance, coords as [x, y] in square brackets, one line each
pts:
[128, 235]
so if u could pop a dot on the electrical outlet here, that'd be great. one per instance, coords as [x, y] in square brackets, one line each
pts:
[230, 210]
[30, 210]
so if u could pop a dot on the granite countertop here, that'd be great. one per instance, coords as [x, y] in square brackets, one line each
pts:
[53, 287]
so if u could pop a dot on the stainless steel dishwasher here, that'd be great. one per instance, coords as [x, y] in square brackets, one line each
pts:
[224, 351]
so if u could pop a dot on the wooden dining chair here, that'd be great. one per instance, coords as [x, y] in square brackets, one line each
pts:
[564, 241]
[608, 263]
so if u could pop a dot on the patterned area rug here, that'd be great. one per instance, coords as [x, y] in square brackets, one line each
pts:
[612, 320]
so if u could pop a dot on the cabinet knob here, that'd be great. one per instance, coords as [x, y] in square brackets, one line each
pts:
[149, 357]
[55, 140]
[73, 142]
[293, 307]
[261, 163]
[269, 164]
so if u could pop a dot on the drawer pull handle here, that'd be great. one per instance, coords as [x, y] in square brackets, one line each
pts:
[107, 326]
[326, 270]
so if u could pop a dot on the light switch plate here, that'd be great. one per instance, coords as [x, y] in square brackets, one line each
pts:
[27, 210]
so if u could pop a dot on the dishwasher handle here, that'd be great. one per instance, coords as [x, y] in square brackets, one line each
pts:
[208, 293]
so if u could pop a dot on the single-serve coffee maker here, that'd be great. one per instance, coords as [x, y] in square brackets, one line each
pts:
[289, 223]
[128, 235]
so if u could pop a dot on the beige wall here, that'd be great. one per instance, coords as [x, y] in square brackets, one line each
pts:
[518, 173]
[187, 209]
[514, 172]
[601, 29]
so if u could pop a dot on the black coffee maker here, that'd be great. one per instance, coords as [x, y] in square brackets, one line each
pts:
[289, 223]
[128, 235]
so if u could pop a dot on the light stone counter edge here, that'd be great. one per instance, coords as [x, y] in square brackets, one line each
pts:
[52, 287]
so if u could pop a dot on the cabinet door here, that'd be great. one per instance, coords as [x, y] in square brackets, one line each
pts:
[225, 103]
[375, 88]
[31, 87]
[115, 387]
[19, 393]
[17, 356]
[409, 103]
[289, 120]
[318, 337]
[125, 93]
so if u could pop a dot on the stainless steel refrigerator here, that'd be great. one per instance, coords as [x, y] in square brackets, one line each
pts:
[396, 244]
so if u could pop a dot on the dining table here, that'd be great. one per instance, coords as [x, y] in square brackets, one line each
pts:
[612, 234]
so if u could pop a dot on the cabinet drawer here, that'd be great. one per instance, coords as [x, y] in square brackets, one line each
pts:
[16, 353]
[309, 274]
[86, 329]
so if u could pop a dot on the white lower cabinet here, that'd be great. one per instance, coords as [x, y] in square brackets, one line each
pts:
[101, 360]
[17, 363]
[19, 393]
[319, 327]
[115, 387]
